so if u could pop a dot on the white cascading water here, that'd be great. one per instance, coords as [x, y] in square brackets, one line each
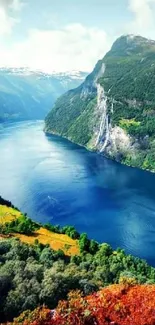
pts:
[112, 107]
[102, 106]
[107, 133]
[104, 129]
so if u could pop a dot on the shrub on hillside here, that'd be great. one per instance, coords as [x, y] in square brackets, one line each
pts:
[114, 305]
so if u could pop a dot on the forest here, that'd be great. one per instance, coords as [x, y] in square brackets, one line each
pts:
[34, 275]
[31, 276]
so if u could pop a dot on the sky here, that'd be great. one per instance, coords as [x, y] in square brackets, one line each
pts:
[65, 35]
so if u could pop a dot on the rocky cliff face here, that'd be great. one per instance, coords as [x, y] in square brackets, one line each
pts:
[113, 111]
[113, 141]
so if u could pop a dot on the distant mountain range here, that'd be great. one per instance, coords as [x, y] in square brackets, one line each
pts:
[113, 111]
[27, 94]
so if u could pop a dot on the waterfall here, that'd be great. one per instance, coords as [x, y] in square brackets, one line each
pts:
[103, 131]
[102, 106]
[107, 134]
[112, 107]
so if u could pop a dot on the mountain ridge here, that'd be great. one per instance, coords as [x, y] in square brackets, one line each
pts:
[28, 94]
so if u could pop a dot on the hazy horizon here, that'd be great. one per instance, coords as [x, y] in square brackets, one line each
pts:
[68, 35]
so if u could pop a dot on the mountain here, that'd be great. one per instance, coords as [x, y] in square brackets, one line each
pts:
[113, 111]
[26, 94]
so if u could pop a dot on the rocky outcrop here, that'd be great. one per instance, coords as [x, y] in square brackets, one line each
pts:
[108, 140]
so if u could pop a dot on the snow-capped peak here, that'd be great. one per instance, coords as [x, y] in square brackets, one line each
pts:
[74, 74]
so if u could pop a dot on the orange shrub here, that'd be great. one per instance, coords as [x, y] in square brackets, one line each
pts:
[115, 305]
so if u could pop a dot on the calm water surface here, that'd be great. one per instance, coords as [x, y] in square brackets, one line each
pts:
[56, 181]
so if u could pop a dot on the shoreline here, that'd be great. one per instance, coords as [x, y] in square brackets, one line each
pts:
[97, 152]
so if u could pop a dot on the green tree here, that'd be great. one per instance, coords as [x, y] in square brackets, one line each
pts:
[84, 243]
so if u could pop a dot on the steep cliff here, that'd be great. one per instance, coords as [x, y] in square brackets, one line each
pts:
[113, 111]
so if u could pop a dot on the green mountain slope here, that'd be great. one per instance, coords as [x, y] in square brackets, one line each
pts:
[113, 111]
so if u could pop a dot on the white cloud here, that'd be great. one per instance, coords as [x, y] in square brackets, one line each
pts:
[12, 4]
[143, 14]
[17, 5]
[5, 3]
[7, 22]
[76, 47]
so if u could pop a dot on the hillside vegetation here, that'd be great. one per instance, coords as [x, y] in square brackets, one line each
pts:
[56, 241]
[116, 102]
[123, 304]
[14, 224]
[8, 214]
[33, 274]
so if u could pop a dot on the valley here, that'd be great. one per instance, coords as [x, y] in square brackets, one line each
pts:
[79, 249]
[26, 94]
[55, 181]
[77, 162]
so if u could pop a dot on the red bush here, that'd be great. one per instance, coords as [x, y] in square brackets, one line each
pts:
[115, 305]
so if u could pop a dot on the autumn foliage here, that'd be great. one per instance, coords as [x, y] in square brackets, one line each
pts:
[121, 304]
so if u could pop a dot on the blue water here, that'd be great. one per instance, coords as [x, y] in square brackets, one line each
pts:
[56, 181]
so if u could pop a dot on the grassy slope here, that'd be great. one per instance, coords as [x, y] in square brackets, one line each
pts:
[8, 214]
[73, 114]
[56, 241]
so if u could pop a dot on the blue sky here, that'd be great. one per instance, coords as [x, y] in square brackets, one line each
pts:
[64, 35]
